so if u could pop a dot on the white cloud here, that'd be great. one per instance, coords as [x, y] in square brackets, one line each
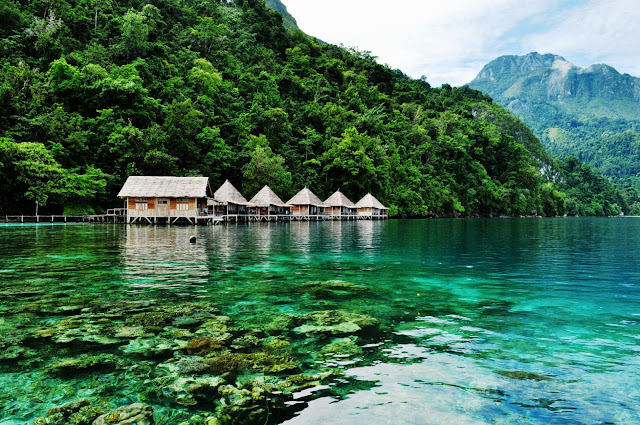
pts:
[603, 31]
[450, 41]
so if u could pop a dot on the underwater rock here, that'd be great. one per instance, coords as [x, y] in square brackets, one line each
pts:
[334, 288]
[15, 352]
[191, 321]
[278, 324]
[341, 347]
[69, 408]
[190, 391]
[78, 329]
[150, 319]
[521, 374]
[82, 364]
[192, 366]
[246, 342]
[244, 405]
[276, 344]
[333, 322]
[152, 347]
[269, 363]
[130, 332]
[80, 412]
[228, 362]
[203, 346]
[134, 414]
[216, 327]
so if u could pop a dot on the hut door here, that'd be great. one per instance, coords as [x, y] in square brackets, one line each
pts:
[162, 207]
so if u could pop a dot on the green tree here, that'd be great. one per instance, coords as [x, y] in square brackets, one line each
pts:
[265, 167]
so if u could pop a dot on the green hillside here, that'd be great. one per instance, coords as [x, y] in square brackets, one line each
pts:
[591, 113]
[93, 92]
[288, 20]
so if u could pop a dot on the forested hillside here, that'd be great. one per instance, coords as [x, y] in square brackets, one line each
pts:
[93, 92]
[591, 113]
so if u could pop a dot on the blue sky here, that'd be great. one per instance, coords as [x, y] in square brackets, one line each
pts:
[449, 41]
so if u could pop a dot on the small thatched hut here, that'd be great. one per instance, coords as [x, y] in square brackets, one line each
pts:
[338, 205]
[268, 203]
[164, 196]
[227, 200]
[369, 206]
[306, 203]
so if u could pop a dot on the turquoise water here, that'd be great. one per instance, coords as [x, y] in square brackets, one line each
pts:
[424, 321]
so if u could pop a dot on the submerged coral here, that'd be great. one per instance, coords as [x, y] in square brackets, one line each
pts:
[334, 322]
[521, 374]
[186, 355]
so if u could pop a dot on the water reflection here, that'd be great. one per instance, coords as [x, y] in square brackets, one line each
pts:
[156, 258]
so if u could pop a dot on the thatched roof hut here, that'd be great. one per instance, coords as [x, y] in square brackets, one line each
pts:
[369, 203]
[228, 194]
[266, 197]
[339, 199]
[165, 187]
[305, 197]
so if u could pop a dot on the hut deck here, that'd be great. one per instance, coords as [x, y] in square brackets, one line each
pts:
[118, 216]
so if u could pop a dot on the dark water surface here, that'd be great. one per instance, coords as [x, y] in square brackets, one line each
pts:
[417, 322]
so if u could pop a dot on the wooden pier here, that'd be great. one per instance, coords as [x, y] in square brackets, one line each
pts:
[118, 215]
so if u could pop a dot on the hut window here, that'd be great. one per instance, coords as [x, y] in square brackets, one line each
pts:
[182, 199]
[141, 205]
[141, 199]
[164, 202]
[182, 206]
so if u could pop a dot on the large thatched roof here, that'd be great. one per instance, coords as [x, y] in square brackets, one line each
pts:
[338, 199]
[267, 197]
[369, 201]
[165, 187]
[227, 193]
[305, 197]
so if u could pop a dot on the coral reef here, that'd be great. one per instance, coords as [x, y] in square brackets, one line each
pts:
[137, 413]
[521, 374]
[179, 358]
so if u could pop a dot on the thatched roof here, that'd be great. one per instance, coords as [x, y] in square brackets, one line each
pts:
[369, 201]
[267, 197]
[338, 199]
[305, 197]
[165, 187]
[227, 193]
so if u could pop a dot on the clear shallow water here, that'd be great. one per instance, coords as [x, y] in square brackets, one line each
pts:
[476, 321]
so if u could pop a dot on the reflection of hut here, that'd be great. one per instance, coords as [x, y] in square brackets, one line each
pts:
[227, 200]
[268, 204]
[162, 259]
[305, 203]
[370, 207]
[339, 206]
[165, 197]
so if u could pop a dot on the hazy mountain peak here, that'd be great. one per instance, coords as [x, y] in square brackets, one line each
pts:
[569, 108]
[562, 65]
[287, 19]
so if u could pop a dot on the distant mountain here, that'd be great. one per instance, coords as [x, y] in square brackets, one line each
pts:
[288, 20]
[592, 113]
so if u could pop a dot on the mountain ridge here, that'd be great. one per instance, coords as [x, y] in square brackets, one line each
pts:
[591, 113]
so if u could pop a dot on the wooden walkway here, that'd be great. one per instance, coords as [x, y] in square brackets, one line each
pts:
[117, 216]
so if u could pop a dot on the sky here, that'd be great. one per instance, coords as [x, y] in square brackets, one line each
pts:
[449, 41]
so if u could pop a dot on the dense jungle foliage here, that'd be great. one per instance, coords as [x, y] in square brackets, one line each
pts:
[93, 91]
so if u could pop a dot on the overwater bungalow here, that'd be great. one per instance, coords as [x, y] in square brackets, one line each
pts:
[269, 206]
[339, 207]
[305, 205]
[370, 207]
[164, 198]
[228, 202]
